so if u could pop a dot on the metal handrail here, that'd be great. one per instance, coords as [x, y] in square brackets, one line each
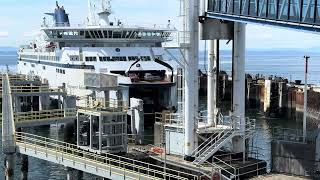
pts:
[44, 115]
[113, 105]
[234, 174]
[33, 89]
[64, 149]
[212, 141]
[174, 119]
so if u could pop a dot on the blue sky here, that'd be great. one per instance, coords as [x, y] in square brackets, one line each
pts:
[20, 20]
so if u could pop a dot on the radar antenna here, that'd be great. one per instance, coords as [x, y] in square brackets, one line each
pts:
[104, 13]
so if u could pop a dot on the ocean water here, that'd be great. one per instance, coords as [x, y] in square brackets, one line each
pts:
[287, 64]
[279, 63]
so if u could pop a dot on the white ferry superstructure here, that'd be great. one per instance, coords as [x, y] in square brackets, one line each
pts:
[64, 53]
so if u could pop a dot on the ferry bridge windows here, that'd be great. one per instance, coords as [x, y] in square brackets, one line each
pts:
[145, 58]
[119, 58]
[102, 59]
[133, 58]
[116, 35]
[90, 59]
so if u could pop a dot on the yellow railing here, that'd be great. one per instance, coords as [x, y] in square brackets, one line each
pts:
[169, 118]
[43, 115]
[120, 165]
[112, 105]
[33, 89]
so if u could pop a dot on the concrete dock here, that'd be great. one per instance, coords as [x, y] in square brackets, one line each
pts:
[279, 177]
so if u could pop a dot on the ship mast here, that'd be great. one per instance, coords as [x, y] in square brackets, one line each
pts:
[91, 21]
[104, 13]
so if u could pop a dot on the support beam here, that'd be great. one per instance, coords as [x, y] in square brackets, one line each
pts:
[9, 166]
[191, 76]
[238, 100]
[8, 129]
[213, 54]
[24, 167]
[100, 132]
[305, 99]
[91, 132]
[78, 129]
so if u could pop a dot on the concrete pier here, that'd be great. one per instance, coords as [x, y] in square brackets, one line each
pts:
[238, 77]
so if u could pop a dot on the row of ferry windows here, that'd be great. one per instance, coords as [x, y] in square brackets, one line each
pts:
[41, 57]
[61, 71]
[110, 34]
[118, 58]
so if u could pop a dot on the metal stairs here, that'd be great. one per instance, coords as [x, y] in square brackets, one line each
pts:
[216, 141]
[213, 144]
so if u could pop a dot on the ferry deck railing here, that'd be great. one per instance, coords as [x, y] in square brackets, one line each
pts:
[121, 165]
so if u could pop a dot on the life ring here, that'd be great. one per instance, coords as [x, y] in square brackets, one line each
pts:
[157, 150]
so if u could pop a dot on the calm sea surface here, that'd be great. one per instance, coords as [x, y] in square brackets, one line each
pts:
[279, 63]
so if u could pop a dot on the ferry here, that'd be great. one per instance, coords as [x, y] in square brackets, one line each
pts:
[62, 53]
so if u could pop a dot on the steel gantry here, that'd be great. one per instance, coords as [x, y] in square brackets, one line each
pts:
[296, 14]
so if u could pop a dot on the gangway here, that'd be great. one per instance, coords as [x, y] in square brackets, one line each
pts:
[109, 166]
[293, 14]
[45, 117]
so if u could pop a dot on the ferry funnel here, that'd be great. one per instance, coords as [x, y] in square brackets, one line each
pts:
[60, 17]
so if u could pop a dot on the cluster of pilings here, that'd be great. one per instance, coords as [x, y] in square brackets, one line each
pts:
[275, 96]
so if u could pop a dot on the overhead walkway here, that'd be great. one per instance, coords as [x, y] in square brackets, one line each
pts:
[296, 14]
[109, 166]
[45, 117]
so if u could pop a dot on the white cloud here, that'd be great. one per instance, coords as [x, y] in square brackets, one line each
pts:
[4, 34]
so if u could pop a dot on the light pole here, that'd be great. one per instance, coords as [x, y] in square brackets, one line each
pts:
[305, 99]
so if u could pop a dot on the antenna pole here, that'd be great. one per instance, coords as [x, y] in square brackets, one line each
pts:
[305, 99]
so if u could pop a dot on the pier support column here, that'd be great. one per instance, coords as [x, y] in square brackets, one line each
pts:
[91, 132]
[78, 129]
[191, 77]
[107, 98]
[17, 104]
[73, 174]
[8, 129]
[238, 100]
[9, 166]
[100, 132]
[24, 167]
[213, 54]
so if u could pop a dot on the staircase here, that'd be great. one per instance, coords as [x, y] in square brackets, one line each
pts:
[213, 144]
[216, 141]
